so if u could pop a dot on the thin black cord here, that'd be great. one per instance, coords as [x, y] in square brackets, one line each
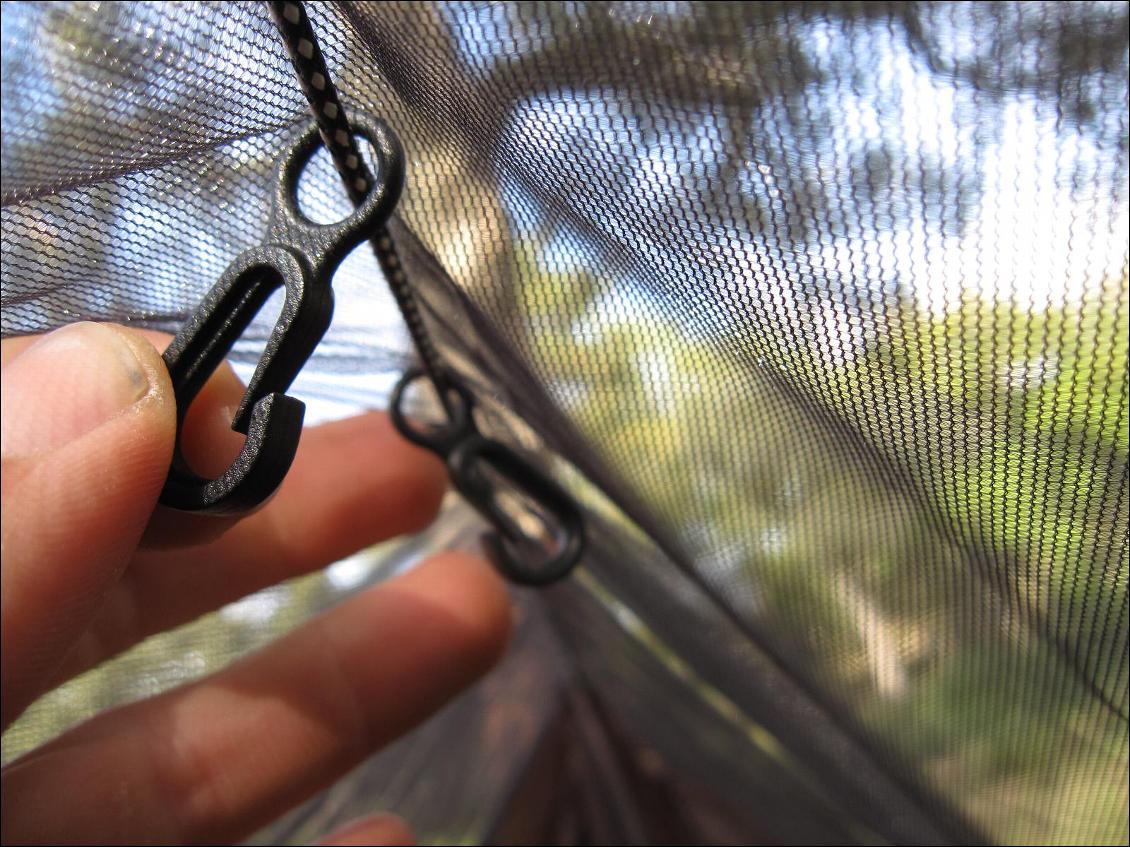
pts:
[310, 65]
[460, 444]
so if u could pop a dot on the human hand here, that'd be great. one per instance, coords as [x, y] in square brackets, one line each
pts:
[89, 569]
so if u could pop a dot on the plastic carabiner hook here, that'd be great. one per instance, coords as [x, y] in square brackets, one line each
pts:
[271, 420]
[477, 465]
[482, 470]
[301, 257]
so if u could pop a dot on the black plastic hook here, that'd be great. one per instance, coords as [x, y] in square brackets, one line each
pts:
[301, 257]
[477, 465]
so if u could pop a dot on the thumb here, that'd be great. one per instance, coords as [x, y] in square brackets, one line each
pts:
[87, 427]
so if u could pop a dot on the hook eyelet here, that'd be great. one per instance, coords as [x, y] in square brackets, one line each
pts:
[467, 453]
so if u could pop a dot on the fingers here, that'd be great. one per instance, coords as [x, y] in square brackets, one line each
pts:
[88, 423]
[354, 483]
[215, 760]
[375, 829]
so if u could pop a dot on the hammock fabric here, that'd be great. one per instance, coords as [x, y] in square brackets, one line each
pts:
[820, 310]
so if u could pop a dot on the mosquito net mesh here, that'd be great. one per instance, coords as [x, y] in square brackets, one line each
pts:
[820, 309]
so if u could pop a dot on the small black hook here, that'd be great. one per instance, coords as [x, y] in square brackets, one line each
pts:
[271, 420]
[301, 257]
[477, 464]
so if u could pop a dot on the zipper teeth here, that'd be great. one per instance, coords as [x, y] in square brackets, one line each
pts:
[333, 124]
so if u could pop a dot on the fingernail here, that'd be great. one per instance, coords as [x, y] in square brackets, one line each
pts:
[66, 384]
[376, 829]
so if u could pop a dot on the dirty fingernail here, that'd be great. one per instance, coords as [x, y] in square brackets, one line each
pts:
[66, 384]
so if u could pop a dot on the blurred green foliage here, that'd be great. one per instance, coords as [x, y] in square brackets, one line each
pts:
[948, 573]
[927, 524]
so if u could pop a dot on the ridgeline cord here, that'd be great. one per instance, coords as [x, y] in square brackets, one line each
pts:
[333, 124]
[464, 450]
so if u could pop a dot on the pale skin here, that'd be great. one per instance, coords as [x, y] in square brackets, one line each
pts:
[91, 566]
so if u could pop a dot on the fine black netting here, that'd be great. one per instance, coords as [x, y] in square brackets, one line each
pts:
[821, 309]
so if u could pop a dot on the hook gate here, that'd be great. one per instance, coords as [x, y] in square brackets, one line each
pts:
[301, 257]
